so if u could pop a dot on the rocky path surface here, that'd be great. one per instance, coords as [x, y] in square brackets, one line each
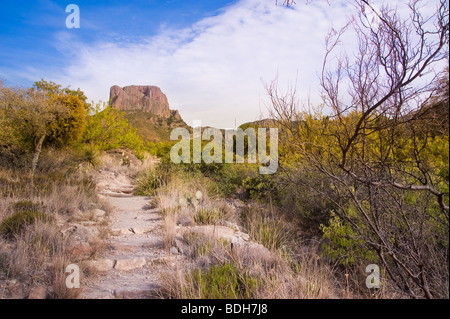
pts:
[135, 254]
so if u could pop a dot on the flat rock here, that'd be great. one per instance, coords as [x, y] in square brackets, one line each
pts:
[140, 231]
[125, 190]
[120, 231]
[130, 264]
[78, 232]
[164, 260]
[222, 232]
[112, 194]
[122, 247]
[101, 265]
[256, 250]
[242, 235]
[131, 230]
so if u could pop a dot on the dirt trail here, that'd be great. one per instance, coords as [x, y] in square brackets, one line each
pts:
[135, 254]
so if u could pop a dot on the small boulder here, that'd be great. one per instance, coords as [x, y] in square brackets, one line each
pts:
[130, 264]
[78, 233]
[101, 265]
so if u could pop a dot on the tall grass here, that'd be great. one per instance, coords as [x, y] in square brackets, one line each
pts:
[216, 269]
[31, 211]
[290, 267]
[266, 226]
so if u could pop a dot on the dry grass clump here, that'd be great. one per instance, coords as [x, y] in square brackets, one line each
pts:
[59, 276]
[31, 212]
[274, 265]
[169, 227]
[29, 258]
[192, 201]
[267, 226]
[217, 269]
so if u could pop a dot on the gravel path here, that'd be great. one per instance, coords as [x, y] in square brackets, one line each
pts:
[135, 255]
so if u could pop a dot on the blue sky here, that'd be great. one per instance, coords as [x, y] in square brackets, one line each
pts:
[28, 28]
[212, 58]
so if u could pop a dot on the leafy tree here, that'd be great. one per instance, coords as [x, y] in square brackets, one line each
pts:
[43, 114]
[380, 155]
[108, 129]
[56, 89]
[70, 127]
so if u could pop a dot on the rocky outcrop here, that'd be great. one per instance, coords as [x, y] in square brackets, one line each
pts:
[145, 98]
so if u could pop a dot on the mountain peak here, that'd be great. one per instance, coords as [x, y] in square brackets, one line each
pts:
[146, 98]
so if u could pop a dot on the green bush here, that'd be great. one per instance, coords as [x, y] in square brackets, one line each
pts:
[224, 281]
[260, 187]
[208, 216]
[149, 180]
[342, 243]
[108, 129]
[91, 155]
[15, 223]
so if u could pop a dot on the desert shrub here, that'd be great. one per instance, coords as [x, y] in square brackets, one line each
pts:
[208, 216]
[225, 177]
[69, 129]
[260, 187]
[343, 245]
[109, 129]
[204, 246]
[15, 223]
[12, 156]
[91, 155]
[151, 179]
[223, 281]
[41, 116]
[310, 208]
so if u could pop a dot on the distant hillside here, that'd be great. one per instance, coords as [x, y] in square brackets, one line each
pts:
[153, 128]
[265, 123]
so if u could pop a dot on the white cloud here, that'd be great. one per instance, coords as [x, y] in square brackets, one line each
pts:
[214, 71]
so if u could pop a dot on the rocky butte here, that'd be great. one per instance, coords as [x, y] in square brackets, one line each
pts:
[149, 99]
[147, 109]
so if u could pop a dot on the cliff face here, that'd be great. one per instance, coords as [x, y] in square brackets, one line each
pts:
[149, 99]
